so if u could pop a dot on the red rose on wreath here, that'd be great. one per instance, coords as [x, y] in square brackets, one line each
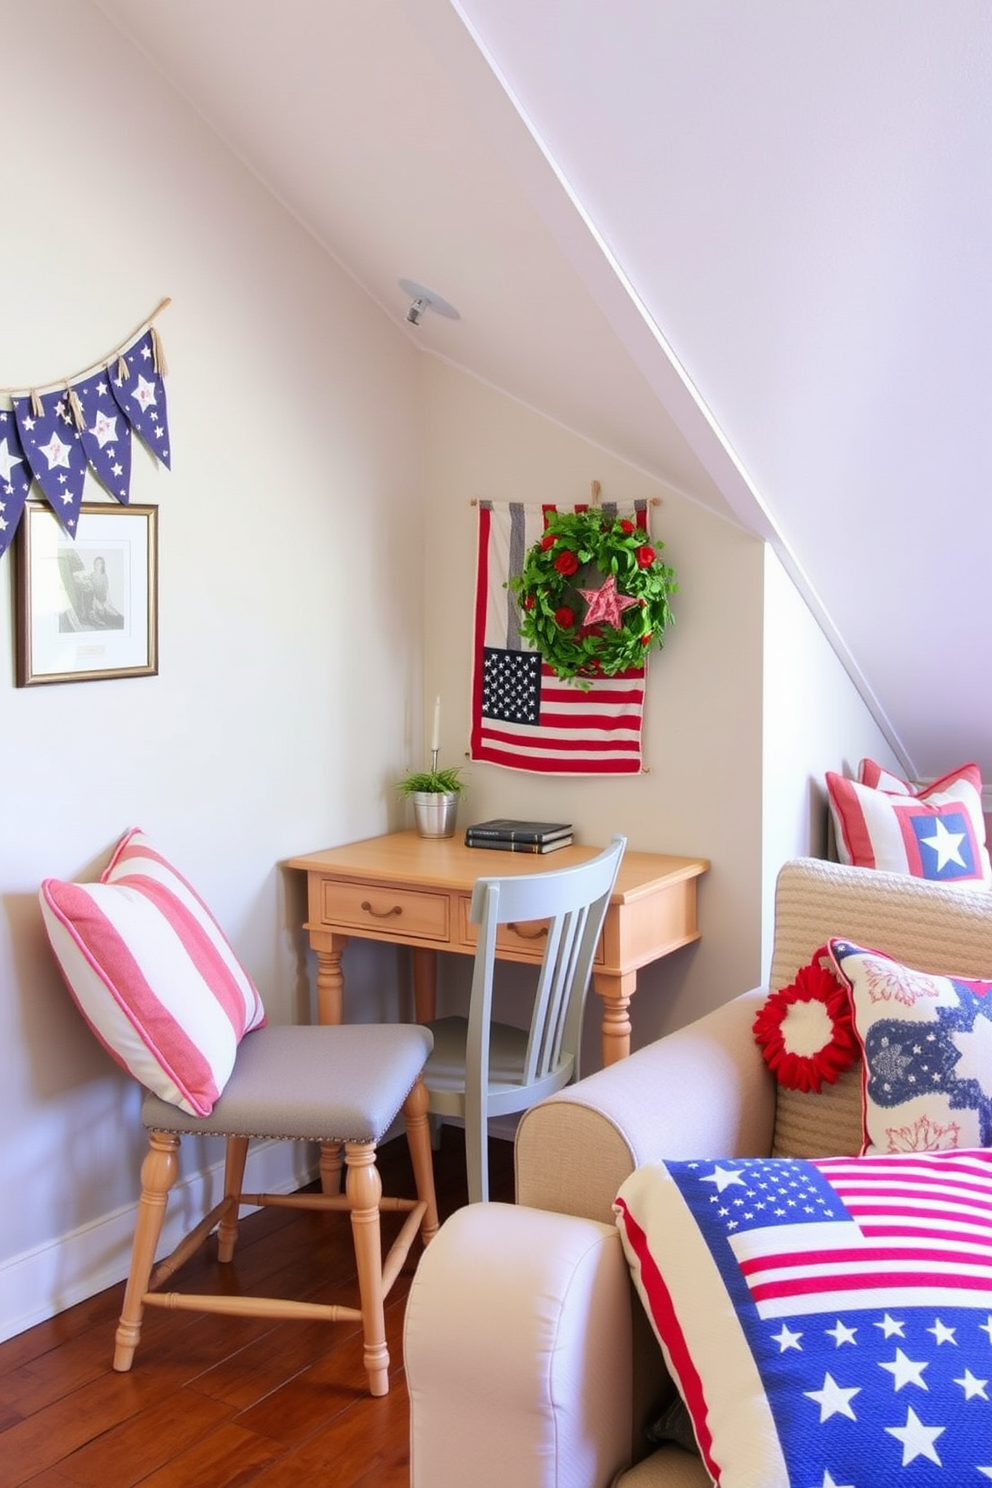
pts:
[529, 602]
[805, 1030]
[548, 541]
[565, 617]
[566, 563]
[626, 526]
[645, 556]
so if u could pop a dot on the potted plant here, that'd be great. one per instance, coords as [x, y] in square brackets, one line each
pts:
[434, 794]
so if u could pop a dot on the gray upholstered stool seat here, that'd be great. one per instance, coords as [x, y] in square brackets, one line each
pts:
[316, 1084]
[341, 1087]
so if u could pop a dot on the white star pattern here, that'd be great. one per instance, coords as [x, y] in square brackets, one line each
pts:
[144, 393]
[723, 1178]
[7, 460]
[786, 1339]
[973, 1388]
[841, 1333]
[917, 1439]
[906, 1371]
[941, 1332]
[56, 452]
[947, 845]
[828, 1482]
[104, 430]
[833, 1399]
[890, 1327]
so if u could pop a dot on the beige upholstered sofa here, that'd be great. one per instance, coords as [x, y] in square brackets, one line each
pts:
[529, 1358]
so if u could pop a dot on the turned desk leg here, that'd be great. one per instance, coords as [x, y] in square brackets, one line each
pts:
[616, 992]
[330, 982]
[424, 984]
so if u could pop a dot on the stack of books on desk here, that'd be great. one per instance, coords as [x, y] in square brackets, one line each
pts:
[509, 835]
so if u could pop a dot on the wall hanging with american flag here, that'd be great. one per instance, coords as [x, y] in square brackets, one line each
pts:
[525, 714]
[56, 434]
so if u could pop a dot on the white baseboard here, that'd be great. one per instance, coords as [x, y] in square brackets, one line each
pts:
[39, 1283]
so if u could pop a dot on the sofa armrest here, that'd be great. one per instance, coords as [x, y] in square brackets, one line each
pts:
[703, 1091]
[517, 1346]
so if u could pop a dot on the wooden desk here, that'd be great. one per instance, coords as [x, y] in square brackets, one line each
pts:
[415, 891]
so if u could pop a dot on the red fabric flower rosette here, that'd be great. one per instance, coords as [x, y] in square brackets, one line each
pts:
[805, 1030]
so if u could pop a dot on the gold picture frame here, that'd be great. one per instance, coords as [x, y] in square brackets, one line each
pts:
[86, 608]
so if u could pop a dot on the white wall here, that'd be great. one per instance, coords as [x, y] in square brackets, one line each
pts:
[290, 594]
[813, 721]
[700, 792]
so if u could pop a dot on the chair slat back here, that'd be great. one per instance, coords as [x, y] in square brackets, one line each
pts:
[573, 901]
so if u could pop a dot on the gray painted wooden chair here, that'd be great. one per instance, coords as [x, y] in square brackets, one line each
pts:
[480, 1068]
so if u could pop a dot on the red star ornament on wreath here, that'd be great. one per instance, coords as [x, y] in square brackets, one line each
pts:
[605, 604]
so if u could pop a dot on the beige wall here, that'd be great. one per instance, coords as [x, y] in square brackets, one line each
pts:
[290, 596]
[702, 735]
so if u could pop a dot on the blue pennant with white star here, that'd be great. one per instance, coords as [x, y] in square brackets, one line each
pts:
[105, 435]
[15, 478]
[138, 388]
[50, 440]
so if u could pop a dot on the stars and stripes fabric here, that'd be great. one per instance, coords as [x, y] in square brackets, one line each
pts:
[524, 717]
[828, 1322]
[15, 478]
[51, 443]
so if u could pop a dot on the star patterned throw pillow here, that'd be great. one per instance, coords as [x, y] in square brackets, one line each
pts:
[926, 1053]
[937, 832]
[828, 1323]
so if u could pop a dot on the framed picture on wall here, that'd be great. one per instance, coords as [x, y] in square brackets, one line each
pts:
[86, 608]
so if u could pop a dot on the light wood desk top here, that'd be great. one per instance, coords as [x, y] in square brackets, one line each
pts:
[416, 891]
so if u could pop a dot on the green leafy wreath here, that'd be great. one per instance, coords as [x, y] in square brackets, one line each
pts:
[593, 595]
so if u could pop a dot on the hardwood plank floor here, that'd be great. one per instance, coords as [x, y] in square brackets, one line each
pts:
[216, 1402]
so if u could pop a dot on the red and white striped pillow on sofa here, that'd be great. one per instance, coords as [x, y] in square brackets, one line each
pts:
[153, 974]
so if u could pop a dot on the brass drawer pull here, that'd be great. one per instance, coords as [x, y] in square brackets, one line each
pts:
[534, 934]
[387, 914]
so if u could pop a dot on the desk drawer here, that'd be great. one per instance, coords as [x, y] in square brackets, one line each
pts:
[525, 940]
[382, 911]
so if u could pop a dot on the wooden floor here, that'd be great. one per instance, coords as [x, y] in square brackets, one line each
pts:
[216, 1402]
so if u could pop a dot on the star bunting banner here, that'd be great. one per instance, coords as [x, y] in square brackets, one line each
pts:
[523, 715]
[55, 435]
[15, 478]
[50, 440]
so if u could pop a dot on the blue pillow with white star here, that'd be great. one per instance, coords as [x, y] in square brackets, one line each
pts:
[926, 1046]
[828, 1323]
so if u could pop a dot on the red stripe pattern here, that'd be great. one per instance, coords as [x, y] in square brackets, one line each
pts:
[829, 1323]
[153, 974]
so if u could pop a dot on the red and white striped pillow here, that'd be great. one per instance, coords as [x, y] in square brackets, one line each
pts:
[153, 974]
[936, 831]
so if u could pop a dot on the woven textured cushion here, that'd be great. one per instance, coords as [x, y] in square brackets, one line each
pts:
[937, 832]
[926, 1053]
[828, 1323]
[153, 974]
[327, 1083]
[925, 925]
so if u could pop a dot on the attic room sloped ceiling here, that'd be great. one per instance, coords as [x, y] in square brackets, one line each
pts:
[744, 246]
